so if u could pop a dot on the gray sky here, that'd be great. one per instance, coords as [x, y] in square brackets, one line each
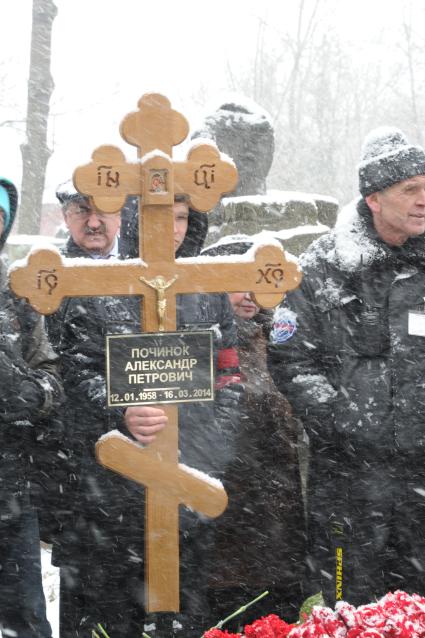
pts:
[106, 55]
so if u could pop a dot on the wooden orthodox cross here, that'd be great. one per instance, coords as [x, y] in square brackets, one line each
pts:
[158, 277]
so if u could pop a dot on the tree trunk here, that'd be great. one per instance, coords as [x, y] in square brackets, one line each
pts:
[35, 152]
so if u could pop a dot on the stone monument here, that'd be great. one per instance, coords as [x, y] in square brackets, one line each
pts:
[244, 131]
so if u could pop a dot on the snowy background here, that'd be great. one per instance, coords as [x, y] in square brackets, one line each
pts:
[326, 70]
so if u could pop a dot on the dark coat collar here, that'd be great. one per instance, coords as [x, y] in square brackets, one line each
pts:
[354, 244]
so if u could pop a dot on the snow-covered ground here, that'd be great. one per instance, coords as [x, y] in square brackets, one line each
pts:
[51, 590]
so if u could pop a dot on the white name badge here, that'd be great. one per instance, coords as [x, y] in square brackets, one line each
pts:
[416, 325]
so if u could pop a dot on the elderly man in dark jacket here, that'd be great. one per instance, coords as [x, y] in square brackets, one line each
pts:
[348, 349]
[102, 552]
[29, 392]
[92, 234]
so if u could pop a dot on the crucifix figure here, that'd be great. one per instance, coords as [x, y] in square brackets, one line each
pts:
[158, 278]
[160, 285]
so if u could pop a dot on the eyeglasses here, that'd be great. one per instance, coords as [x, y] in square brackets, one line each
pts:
[83, 213]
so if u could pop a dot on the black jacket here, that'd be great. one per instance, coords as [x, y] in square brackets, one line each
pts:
[341, 349]
[29, 390]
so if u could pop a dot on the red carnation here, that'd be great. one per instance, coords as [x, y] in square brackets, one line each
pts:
[218, 633]
[268, 627]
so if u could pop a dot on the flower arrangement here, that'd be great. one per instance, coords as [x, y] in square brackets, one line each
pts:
[396, 615]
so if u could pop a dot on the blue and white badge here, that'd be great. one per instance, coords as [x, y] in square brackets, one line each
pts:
[284, 325]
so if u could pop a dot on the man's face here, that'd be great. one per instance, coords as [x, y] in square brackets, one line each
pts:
[90, 229]
[181, 219]
[399, 211]
[242, 305]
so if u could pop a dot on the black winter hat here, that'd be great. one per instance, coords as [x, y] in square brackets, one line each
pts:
[388, 158]
[67, 193]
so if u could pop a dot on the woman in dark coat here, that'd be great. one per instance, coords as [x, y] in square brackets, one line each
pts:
[260, 538]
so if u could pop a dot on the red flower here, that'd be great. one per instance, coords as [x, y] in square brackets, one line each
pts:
[323, 623]
[218, 633]
[396, 615]
[346, 612]
[268, 627]
[370, 616]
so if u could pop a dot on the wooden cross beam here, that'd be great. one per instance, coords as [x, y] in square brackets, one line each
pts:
[47, 278]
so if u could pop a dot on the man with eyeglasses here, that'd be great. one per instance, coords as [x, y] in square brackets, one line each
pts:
[92, 233]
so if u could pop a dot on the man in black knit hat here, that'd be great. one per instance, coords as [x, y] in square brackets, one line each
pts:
[348, 350]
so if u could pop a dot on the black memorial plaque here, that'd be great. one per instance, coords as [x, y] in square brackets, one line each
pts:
[168, 367]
